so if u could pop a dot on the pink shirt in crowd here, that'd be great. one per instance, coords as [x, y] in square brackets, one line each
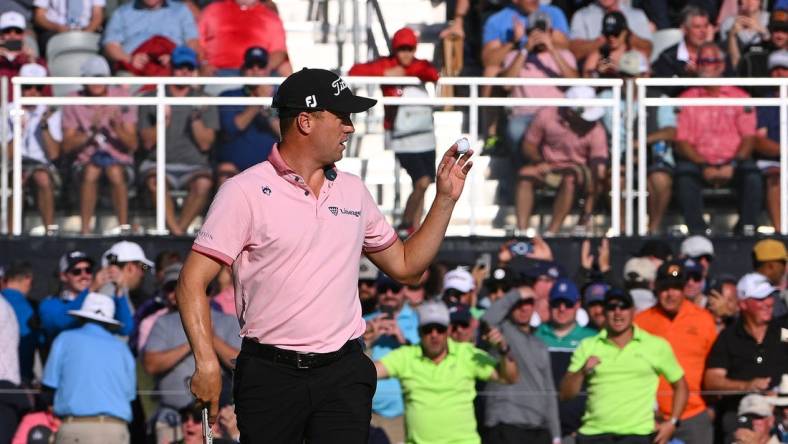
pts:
[531, 70]
[146, 325]
[715, 131]
[294, 255]
[226, 301]
[560, 145]
[83, 117]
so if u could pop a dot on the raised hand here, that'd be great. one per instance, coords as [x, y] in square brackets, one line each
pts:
[452, 172]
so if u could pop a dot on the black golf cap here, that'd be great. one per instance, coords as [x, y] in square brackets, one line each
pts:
[313, 89]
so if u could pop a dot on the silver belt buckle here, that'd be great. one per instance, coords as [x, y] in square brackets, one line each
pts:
[299, 362]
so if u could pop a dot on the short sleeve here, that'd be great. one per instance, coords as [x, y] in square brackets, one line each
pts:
[69, 120]
[639, 24]
[113, 32]
[483, 364]
[55, 125]
[492, 30]
[666, 116]
[535, 132]
[725, 28]
[160, 338]
[746, 121]
[580, 355]
[559, 19]
[51, 377]
[276, 35]
[684, 124]
[378, 233]
[597, 141]
[578, 29]
[718, 356]
[228, 225]
[395, 362]
[210, 117]
[666, 363]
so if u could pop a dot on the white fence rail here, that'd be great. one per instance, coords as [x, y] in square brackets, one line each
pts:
[473, 102]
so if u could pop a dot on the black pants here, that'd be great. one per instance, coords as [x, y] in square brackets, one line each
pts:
[747, 181]
[609, 438]
[276, 403]
[512, 434]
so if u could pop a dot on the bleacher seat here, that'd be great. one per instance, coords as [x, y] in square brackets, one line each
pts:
[65, 54]
[664, 39]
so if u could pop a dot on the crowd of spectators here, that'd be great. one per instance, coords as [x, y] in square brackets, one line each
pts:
[507, 348]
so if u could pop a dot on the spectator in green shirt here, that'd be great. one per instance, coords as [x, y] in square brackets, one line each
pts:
[621, 366]
[438, 379]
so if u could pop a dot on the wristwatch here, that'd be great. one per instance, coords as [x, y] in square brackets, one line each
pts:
[675, 421]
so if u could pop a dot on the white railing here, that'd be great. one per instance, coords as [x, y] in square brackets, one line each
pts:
[161, 100]
[643, 102]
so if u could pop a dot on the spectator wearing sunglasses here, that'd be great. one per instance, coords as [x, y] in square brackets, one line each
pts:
[248, 132]
[167, 356]
[562, 334]
[694, 288]
[750, 355]
[621, 367]
[190, 134]
[691, 332]
[594, 304]
[191, 426]
[391, 326]
[462, 325]
[769, 258]
[508, 416]
[714, 147]
[13, 52]
[439, 378]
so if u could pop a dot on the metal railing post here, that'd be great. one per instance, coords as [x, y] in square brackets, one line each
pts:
[17, 112]
[642, 158]
[161, 161]
[615, 206]
[4, 228]
[629, 161]
[783, 159]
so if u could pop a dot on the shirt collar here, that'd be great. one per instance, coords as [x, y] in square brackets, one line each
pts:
[683, 53]
[284, 170]
[138, 4]
[11, 292]
[637, 334]
[95, 329]
[450, 347]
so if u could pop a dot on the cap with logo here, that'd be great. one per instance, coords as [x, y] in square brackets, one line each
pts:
[778, 59]
[459, 313]
[640, 270]
[433, 313]
[595, 292]
[671, 274]
[778, 21]
[539, 19]
[182, 55]
[12, 19]
[564, 290]
[313, 89]
[696, 246]
[767, 250]
[617, 294]
[95, 66]
[97, 307]
[613, 23]
[587, 113]
[404, 38]
[255, 55]
[757, 405]
[754, 286]
[124, 251]
[367, 271]
[633, 63]
[459, 279]
[68, 260]
[498, 276]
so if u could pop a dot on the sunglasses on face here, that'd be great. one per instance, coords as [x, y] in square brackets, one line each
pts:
[386, 288]
[558, 303]
[195, 416]
[425, 330]
[17, 31]
[254, 65]
[613, 305]
[707, 257]
[460, 324]
[80, 271]
[184, 66]
[406, 49]
[709, 61]
[38, 88]
[497, 288]
[697, 277]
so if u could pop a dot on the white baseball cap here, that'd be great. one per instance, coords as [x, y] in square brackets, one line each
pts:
[125, 251]
[459, 279]
[32, 70]
[12, 19]
[95, 66]
[754, 286]
[696, 246]
[756, 405]
[588, 113]
[433, 313]
[97, 307]
[640, 269]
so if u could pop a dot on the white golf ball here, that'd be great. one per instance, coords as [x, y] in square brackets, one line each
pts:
[463, 145]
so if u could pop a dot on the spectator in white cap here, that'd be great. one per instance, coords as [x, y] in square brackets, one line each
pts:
[700, 249]
[459, 287]
[439, 378]
[756, 421]
[41, 137]
[103, 140]
[127, 265]
[639, 276]
[13, 52]
[749, 355]
[565, 148]
[93, 375]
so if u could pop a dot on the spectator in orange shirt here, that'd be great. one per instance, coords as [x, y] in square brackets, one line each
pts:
[229, 27]
[715, 144]
[691, 332]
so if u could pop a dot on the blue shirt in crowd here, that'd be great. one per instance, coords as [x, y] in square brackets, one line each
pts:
[27, 336]
[132, 24]
[499, 26]
[769, 118]
[53, 312]
[248, 147]
[388, 395]
[92, 373]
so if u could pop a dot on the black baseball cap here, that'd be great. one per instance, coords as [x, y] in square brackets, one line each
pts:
[68, 260]
[671, 274]
[617, 294]
[314, 89]
[613, 23]
[255, 55]
[657, 248]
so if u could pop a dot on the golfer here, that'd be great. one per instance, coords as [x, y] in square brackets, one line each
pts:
[293, 228]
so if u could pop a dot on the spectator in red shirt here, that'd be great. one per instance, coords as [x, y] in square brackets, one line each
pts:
[415, 150]
[714, 144]
[566, 149]
[229, 27]
[13, 51]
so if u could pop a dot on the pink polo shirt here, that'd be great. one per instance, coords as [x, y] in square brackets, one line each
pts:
[560, 145]
[294, 255]
[715, 131]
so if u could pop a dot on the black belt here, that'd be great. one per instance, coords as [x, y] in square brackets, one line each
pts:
[291, 358]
